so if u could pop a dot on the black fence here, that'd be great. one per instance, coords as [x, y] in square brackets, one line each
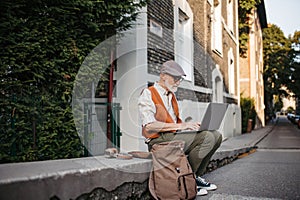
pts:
[101, 127]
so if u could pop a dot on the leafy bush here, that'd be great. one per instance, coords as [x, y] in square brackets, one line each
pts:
[248, 112]
[43, 46]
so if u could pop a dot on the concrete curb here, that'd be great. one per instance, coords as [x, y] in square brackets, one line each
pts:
[237, 145]
[100, 176]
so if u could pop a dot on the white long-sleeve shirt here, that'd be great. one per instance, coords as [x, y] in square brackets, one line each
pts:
[147, 108]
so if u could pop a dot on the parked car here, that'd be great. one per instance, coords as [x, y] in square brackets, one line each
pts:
[290, 116]
[295, 119]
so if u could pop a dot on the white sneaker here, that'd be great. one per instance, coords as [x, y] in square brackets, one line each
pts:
[201, 192]
[201, 183]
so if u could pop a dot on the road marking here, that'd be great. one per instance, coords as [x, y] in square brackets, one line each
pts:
[289, 137]
[247, 153]
[237, 197]
[279, 150]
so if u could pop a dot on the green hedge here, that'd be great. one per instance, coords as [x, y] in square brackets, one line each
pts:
[43, 44]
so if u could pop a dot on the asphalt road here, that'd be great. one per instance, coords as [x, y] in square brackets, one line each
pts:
[272, 172]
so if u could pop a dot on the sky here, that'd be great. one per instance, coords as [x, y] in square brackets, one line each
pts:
[285, 14]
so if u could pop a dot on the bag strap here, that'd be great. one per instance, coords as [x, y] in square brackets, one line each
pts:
[114, 153]
[141, 154]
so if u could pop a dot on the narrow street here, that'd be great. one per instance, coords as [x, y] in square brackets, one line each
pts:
[271, 172]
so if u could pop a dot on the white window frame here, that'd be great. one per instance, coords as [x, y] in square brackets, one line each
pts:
[256, 72]
[217, 31]
[230, 15]
[210, 2]
[156, 28]
[231, 74]
[217, 87]
[183, 37]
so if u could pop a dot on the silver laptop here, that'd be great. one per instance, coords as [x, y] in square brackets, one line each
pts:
[212, 118]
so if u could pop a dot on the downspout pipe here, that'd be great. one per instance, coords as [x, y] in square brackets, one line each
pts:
[109, 100]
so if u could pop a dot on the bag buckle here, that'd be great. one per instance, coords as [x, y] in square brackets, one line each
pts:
[147, 140]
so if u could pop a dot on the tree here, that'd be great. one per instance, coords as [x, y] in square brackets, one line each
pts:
[277, 65]
[294, 83]
[43, 45]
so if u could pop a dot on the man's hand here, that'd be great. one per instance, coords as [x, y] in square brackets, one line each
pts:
[190, 126]
[158, 126]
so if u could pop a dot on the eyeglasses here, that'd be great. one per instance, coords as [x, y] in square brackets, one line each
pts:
[176, 78]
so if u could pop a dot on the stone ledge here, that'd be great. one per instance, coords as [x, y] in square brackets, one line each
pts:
[93, 177]
[69, 179]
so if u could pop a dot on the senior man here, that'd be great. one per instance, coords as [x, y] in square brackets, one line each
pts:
[161, 122]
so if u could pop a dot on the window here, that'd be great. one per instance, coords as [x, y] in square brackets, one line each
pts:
[217, 28]
[217, 85]
[231, 75]
[256, 72]
[183, 37]
[156, 28]
[230, 15]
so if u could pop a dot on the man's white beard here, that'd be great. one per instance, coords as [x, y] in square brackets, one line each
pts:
[170, 88]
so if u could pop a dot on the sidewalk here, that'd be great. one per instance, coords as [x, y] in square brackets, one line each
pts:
[91, 176]
[234, 146]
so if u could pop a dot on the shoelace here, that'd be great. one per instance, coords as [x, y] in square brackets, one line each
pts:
[202, 180]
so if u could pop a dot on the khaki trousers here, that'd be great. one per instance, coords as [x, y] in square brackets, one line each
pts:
[199, 147]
